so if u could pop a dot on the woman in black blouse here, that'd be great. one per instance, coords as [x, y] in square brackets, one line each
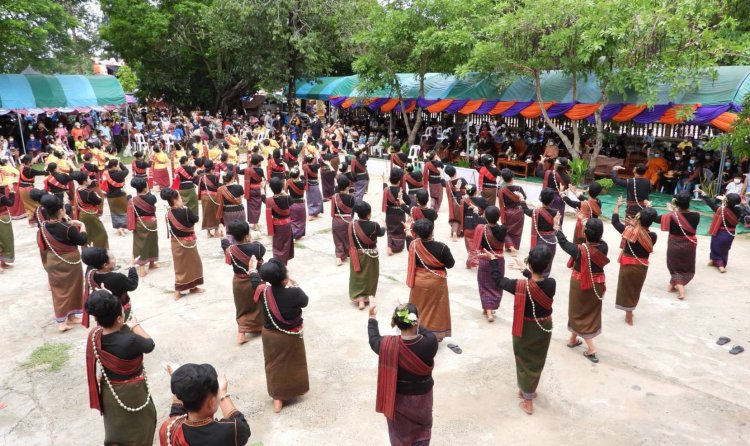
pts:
[188, 268]
[395, 206]
[282, 302]
[61, 238]
[471, 213]
[186, 176]
[682, 225]
[532, 319]
[100, 275]
[86, 209]
[364, 267]
[342, 209]
[490, 237]
[114, 178]
[404, 392]
[587, 283]
[121, 394]
[296, 185]
[198, 393]
[241, 252]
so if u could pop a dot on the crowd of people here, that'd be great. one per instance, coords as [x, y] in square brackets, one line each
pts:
[217, 172]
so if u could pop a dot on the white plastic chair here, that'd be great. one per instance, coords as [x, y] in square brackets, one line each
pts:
[414, 155]
[140, 143]
[376, 150]
[169, 140]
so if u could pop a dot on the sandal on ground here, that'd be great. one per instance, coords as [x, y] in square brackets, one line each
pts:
[723, 340]
[591, 357]
[736, 350]
[456, 349]
[576, 344]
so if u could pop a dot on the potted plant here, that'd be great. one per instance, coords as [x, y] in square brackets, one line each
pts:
[578, 169]
[606, 184]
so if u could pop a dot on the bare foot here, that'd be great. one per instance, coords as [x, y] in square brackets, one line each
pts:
[520, 394]
[339, 262]
[390, 252]
[197, 290]
[142, 271]
[629, 318]
[153, 265]
[74, 320]
[527, 406]
[454, 237]
[671, 288]
[361, 304]
[490, 317]
[722, 269]
[177, 295]
[710, 263]
[63, 327]
[242, 338]
[277, 405]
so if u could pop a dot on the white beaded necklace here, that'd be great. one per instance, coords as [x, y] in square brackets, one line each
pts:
[630, 248]
[424, 265]
[169, 228]
[591, 271]
[49, 246]
[109, 384]
[140, 220]
[677, 217]
[338, 211]
[723, 220]
[205, 183]
[81, 209]
[169, 428]
[535, 222]
[635, 195]
[486, 239]
[533, 308]
[273, 321]
[366, 252]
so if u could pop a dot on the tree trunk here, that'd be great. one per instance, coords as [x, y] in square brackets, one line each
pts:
[418, 120]
[568, 145]
[599, 130]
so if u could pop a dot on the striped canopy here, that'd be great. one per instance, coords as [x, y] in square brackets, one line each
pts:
[30, 93]
[714, 100]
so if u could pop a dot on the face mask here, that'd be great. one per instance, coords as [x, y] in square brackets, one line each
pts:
[656, 155]
[737, 181]
[727, 164]
[677, 158]
[692, 161]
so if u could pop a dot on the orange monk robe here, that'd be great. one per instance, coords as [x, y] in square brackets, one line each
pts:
[654, 167]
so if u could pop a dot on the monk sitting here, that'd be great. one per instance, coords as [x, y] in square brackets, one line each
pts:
[655, 166]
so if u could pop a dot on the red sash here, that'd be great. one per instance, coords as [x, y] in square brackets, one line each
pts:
[539, 212]
[397, 161]
[591, 208]
[309, 174]
[252, 181]
[234, 252]
[109, 361]
[272, 207]
[53, 181]
[417, 248]
[357, 165]
[226, 196]
[451, 200]
[54, 244]
[484, 172]
[267, 292]
[81, 205]
[172, 220]
[597, 258]
[389, 199]
[505, 192]
[717, 223]
[133, 213]
[183, 174]
[290, 157]
[519, 306]
[109, 182]
[273, 167]
[340, 209]
[417, 213]
[392, 355]
[291, 185]
[480, 232]
[680, 220]
[136, 170]
[429, 168]
[353, 247]
[176, 435]
[208, 184]
[24, 178]
[639, 235]
[558, 179]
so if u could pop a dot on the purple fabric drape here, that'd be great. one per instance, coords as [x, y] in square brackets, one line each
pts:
[424, 103]
[336, 102]
[610, 110]
[560, 109]
[707, 113]
[486, 107]
[455, 106]
[516, 108]
[407, 103]
[377, 103]
[652, 114]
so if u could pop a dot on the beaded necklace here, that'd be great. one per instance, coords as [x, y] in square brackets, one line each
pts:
[81, 209]
[338, 211]
[591, 271]
[533, 308]
[109, 384]
[205, 184]
[677, 217]
[535, 222]
[424, 265]
[366, 252]
[724, 221]
[273, 321]
[169, 228]
[635, 195]
[49, 246]
[630, 248]
[140, 220]
[169, 429]
[486, 239]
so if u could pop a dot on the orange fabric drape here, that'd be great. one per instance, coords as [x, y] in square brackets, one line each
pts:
[501, 107]
[439, 106]
[628, 112]
[724, 121]
[410, 105]
[368, 101]
[347, 103]
[390, 105]
[535, 110]
[581, 111]
[471, 107]
[670, 116]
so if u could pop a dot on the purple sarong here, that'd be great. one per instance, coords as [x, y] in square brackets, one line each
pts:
[328, 182]
[360, 189]
[395, 230]
[550, 241]
[721, 243]
[299, 219]
[514, 218]
[680, 260]
[254, 203]
[412, 421]
[230, 217]
[340, 231]
[436, 196]
[283, 247]
[559, 205]
[489, 293]
[314, 201]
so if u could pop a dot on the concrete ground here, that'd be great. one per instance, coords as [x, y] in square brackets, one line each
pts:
[663, 381]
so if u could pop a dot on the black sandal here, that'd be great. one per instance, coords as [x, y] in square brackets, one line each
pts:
[576, 344]
[591, 357]
[723, 340]
[456, 349]
[736, 350]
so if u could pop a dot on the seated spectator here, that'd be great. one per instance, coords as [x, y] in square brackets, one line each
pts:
[655, 167]
[690, 176]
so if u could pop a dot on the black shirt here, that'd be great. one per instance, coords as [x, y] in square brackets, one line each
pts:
[577, 204]
[250, 249]
[632, 249]
[297, 197]
[29, 172]
[150, 199]
[186, 217]
[117, 283]
[434, 178]
[230, 431]
[547, 285]
[471, 220]
[429, 213]
[118, 176]
[417, 177]
[283, 202]
[510, 203]
[372, 230]
[65, 233]
[440, 251]
[396, 209]
[425, 346]
[187, 182]
[89, 196]
[290, 301]
[126, 345]
[497, 231]
[693, 218]
[542, 224]
[573, 251]
[638, 193]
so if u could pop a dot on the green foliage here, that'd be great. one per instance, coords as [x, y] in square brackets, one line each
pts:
[462, 163]
[578, 169]
[127, 78]
[739, 138]
[53, 355]
[606, 184]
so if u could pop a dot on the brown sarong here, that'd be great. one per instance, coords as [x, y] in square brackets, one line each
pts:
[412, 421]
[585, 310]
[66, 283]
[430, 295]
[29, 205]
[286, 364]
[365, 282]
[96, 233]
[339, 229]
[145, 241]
[514, 218]
[629, 285]
[123, 427]
[209, 204]
[188, 269]
[489, 194]
[248, 314]
[680, 260]
[118, 211]
[530, 351]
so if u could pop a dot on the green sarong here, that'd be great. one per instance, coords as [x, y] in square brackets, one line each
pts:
[531, 353]
[365, 282]
[7, 244]
[95, 230]
[123, 427]
[190, 200]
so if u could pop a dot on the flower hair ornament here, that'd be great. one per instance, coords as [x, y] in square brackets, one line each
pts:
[405, 316]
